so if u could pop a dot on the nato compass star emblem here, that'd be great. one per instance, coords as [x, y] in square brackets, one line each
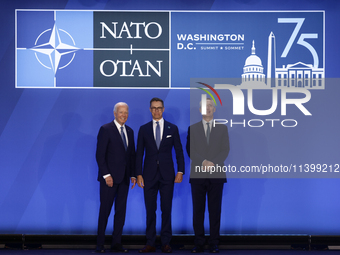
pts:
[55, 49]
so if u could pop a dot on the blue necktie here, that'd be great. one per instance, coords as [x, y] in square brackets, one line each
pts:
[208, 132]
[123, 137]
[158, 135]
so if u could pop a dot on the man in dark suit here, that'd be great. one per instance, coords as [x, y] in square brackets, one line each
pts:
[116, 163]
[156, 139]
[208, 147]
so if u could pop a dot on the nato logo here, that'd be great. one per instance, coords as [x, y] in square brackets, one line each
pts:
[79, 49]
[52, 49]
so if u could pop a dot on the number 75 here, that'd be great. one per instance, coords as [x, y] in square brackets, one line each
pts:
[301, 41]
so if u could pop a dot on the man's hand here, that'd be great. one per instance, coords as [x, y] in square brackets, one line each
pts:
[140, 181]
[109, 181]
[133, 181]
[207, 164]
[179, 178]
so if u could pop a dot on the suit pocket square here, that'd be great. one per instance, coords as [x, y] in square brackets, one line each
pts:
[168, 136]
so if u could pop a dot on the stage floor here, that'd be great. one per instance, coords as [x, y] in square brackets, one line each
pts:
[226, 252]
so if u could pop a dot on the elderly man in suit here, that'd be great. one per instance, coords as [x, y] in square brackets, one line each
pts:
[157, 138]
[116, 163]
[208, 147]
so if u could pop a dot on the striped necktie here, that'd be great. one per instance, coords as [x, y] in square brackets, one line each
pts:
[123, 137]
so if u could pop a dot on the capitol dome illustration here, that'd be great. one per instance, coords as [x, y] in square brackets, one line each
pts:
[253, 69]
[253, 60]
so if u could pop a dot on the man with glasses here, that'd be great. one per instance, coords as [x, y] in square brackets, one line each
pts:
[157, 138]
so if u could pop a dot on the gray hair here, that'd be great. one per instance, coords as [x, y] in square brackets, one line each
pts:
[208, 98]
[118, 105]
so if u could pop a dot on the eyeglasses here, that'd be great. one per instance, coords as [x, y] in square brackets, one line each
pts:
[156, 108]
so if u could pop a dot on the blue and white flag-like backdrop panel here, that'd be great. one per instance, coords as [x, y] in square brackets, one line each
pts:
[132, 49]
[272, 68]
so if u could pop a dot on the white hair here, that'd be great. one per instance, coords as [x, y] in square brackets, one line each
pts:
[118, 105]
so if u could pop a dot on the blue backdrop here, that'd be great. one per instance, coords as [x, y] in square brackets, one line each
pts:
[48, 137]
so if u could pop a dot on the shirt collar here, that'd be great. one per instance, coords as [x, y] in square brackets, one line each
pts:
[161, 121]
[118, 125]
[205, 122]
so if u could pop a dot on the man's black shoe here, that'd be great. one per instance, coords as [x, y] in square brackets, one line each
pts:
[197, 249]
[100, 249]
[118, 248]
[166, 249]
[147, 248]
[214, 249]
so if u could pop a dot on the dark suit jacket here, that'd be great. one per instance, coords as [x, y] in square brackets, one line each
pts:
[111, 155]
[198, 150]
[146, 142]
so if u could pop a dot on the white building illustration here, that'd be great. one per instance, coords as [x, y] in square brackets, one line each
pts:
[300, 75]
